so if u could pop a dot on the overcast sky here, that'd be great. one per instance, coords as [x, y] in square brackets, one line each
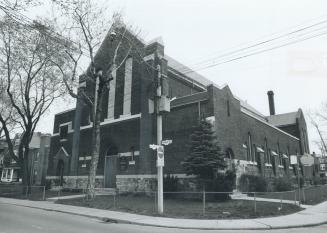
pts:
[197, 30]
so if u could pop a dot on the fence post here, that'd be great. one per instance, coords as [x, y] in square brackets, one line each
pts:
[204, 202]
[255, 204]
[295, 196]
[26, 192]
[303, 195]
[115, 200]
[281, 200]
[155, 200]
[43, 193]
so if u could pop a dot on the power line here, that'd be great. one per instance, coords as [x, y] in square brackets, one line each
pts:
[259, 44]
[29, 22]
[262, 38]
[255, 53]
[294, 38]
[241, 50]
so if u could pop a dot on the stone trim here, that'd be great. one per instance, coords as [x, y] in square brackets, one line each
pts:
[107, 122]
[67, 177]
[153, 176]
[125, 118]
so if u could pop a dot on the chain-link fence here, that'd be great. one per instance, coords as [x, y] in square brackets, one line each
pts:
[198, 204]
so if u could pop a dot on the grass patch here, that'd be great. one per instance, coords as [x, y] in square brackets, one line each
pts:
[186, 208]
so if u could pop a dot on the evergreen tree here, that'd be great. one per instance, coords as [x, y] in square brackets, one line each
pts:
[205, 155]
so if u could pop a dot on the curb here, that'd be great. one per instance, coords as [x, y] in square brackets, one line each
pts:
[116, 220]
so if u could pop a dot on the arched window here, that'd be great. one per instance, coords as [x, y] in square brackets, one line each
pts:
[254, 153]
[228, 108]
[249, 147]
[267, 153]
[280, 156]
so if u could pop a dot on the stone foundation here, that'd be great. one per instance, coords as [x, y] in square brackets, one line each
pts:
[75, 182]
[148, 183]
[136, 183]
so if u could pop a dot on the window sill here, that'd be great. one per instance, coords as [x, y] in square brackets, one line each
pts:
[252, 163]
[280, 166]
[290, 168]
[268, 164]
[63, 140]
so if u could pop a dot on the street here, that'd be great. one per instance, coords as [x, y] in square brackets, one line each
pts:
[18, 219]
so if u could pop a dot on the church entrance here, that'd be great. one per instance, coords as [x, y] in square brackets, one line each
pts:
[110, 171]
[60, 171]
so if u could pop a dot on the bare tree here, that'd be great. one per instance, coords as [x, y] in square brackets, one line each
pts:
[319, 122]
[88, 22]
[30, 80]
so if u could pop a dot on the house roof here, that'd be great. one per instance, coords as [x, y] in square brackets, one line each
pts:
[283, 119]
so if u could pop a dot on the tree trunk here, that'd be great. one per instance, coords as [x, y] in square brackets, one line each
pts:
[95, 143]
[24, 164]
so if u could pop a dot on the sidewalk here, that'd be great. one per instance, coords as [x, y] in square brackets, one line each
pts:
[314, 215]
[246, 197]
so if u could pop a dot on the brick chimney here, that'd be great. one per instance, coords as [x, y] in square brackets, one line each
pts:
[271, 102]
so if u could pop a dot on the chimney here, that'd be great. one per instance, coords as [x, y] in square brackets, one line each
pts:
[271, 102]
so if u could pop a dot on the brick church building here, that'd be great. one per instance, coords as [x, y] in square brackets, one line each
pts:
[252, 142]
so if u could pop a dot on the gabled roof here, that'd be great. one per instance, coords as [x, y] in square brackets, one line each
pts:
[283, 119]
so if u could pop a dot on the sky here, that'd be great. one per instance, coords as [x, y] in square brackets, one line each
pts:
[198, 30]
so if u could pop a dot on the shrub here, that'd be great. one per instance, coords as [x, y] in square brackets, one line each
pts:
[170, 184]
[252, 183]
[48, 184]
[224, 182]
[282, 184]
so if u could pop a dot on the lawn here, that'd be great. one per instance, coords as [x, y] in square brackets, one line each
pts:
[36, 193]
[186, 208]
[310, 195]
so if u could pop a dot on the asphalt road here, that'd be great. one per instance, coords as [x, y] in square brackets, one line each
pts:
[17, 219]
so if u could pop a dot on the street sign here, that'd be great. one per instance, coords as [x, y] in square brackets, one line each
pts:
[307, 160]
[293, 159]
[153, 146]
[160, 156]
[166, 142]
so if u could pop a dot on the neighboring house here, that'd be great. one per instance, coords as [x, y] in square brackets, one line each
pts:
[322, 166]
[2, 153]
[38, 160]
[254, 143]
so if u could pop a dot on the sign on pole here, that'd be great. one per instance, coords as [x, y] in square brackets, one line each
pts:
[293, 159]
[160, 156]
[307, 160]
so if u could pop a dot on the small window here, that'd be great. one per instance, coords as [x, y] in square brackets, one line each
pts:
[63, 132]
[228, 108]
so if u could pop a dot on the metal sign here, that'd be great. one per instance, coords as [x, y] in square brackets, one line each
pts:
[160, 156]
[167, 142]
[307, 160]
[293, 159]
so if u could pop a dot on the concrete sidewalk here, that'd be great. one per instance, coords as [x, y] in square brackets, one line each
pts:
[246, 197]
[311, 216]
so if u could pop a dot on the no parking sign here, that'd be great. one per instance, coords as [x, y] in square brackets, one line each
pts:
[160, 156]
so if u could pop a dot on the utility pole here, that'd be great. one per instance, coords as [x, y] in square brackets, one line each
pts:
[159, 140]
[162, 104]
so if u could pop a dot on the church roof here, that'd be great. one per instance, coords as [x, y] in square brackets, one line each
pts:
[283, 119]
[188, 72]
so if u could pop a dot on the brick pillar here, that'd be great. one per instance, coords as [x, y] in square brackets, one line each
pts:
[111, 96]
[128, 86]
